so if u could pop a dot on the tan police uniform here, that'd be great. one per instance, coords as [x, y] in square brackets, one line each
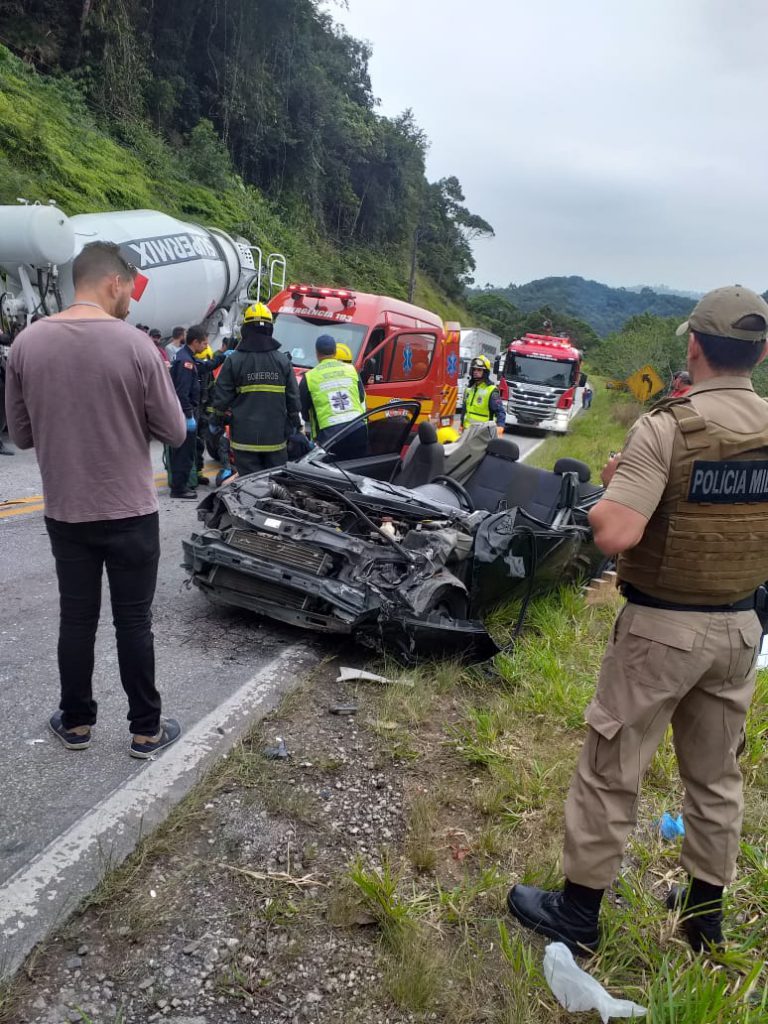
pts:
[697, 467]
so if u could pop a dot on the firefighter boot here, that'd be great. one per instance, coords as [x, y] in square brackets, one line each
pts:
[701, 905]
[569, 916]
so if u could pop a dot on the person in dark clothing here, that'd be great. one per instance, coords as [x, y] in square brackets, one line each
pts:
[257, 388]
[187, 383]
[157, 337]
[207, 362]
[5, 342]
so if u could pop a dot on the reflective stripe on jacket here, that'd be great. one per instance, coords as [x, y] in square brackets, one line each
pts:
[258, 387]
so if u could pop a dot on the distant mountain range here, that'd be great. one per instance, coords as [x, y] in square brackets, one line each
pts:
[604, 308]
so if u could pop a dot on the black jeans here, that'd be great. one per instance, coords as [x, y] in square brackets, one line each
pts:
[181, 460]
[130, 549]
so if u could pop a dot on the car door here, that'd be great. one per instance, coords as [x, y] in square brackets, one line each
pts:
[399, 368]
[382, 433]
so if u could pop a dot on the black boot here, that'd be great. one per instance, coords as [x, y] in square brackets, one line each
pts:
[569, 916]
[701, 905]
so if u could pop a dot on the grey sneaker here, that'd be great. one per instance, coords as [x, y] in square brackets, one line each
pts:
[72, 740]
[170, 730]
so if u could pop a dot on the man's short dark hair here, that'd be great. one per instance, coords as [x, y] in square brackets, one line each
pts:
[730, 354]
[325, 345]
[197, 333]
[177, 332]
[98, 260]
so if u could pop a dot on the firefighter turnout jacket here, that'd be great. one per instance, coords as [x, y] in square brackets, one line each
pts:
[482, 403]
[257, 387]
[185, 379]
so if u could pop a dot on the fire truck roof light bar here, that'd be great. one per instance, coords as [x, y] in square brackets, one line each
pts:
[313, 292]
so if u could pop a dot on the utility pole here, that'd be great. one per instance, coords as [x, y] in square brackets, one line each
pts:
[414, 254]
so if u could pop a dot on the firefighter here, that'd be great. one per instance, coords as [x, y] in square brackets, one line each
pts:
[482, 401]
[332, 395]
[686, 512]
[343, 352]
[257, 387]
[186, 380]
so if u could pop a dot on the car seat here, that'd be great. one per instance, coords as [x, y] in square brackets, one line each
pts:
[502, 481]
[424, 460]
[464, 455]
[586, 489]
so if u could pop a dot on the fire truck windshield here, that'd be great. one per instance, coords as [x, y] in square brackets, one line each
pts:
[554, 373]
[297, 336]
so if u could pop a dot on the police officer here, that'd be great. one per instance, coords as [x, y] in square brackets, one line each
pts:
[332, 394]
[686, 511]
[257, 387]
[482, 401]
[185, 379]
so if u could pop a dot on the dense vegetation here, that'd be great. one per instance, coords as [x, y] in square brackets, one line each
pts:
[234, 107]
[606, 309]
[650, 340]
[500, 316]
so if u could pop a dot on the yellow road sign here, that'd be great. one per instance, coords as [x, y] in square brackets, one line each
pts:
[645, 383]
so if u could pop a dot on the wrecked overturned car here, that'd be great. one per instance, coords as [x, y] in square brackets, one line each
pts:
[407, 551]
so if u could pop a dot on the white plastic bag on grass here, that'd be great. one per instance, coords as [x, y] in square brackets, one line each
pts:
[574, 989]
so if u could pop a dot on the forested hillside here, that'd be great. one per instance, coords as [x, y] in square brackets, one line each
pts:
[255, 115]
[604, 308]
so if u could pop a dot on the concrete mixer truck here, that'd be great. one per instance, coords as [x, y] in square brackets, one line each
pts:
[186, 273]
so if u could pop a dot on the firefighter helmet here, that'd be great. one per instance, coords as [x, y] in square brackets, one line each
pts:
[258, 313]
[482, 363]
[343, 352]
[447, 435]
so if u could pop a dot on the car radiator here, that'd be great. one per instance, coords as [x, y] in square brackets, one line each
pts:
[273, 549]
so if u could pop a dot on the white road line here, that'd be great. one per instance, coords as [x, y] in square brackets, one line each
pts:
[43, 893]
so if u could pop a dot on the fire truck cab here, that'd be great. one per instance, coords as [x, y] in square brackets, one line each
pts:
[400, 350]
[538, 379]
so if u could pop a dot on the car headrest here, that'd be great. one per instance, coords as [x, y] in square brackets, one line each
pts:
[427, 433]
[504, 448]
[581, 469]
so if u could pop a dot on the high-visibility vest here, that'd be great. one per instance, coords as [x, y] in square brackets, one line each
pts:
[335, 391]
[477, 403]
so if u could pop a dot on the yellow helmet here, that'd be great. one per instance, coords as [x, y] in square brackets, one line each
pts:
[481, 363]
[343, 352]
[257, 313]
[447, 435]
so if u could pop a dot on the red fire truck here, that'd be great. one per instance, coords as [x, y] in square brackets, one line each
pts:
[400, 350]
[538, 379]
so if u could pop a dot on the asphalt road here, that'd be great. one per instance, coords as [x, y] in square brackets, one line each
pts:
[207, 658]
[203, 655]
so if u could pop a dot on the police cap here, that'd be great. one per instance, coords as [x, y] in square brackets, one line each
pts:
[722, 313]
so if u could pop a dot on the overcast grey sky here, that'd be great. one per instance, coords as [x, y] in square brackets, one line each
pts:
[622, 140]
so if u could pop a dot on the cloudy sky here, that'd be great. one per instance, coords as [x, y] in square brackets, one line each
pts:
[622, 140]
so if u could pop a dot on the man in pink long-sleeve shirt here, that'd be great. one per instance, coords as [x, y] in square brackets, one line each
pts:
[101, 504]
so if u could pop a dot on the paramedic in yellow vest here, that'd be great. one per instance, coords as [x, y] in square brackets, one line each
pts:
[482, 401]
[257, 391]
[332, 395]
[686, 512]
